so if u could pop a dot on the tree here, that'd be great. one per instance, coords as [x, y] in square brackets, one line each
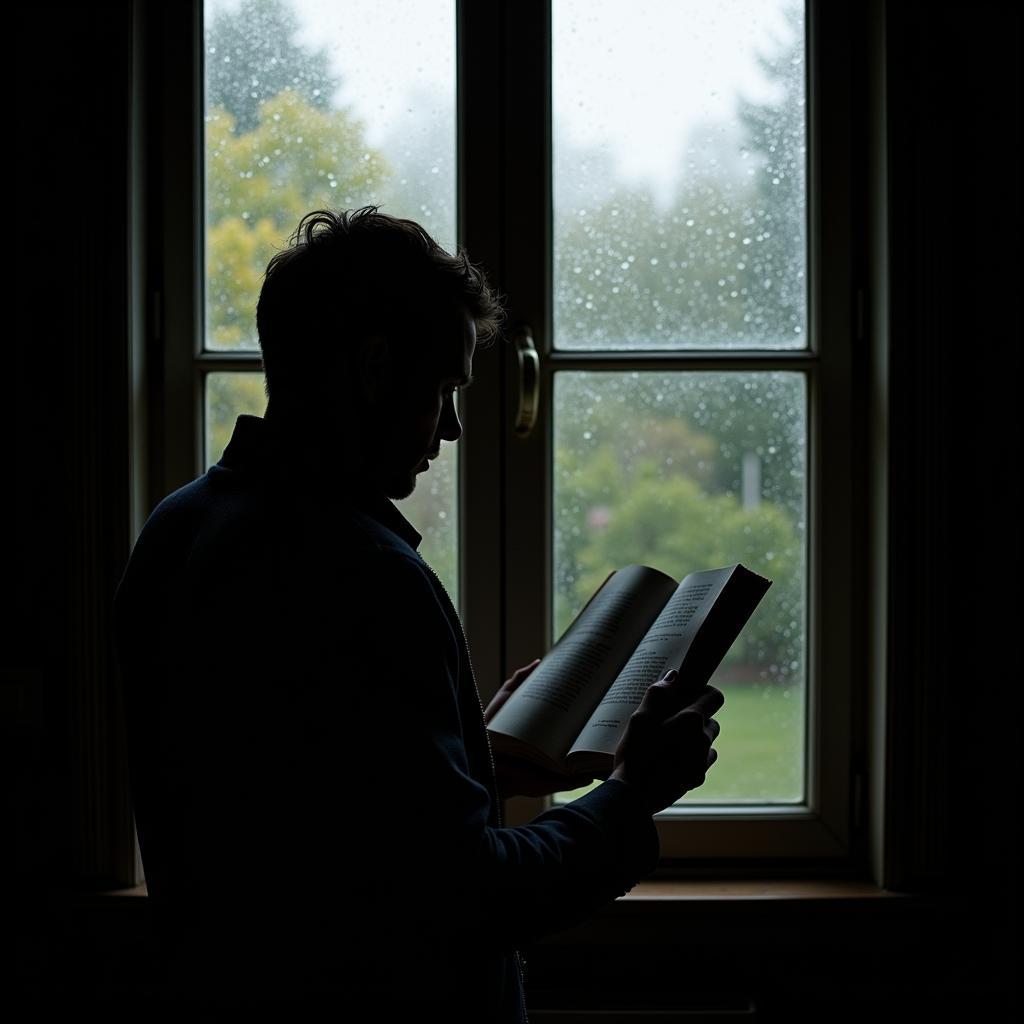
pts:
[723, 265]
[259, 185]
[650, 465]
[277, 147]
[775, 134]
[250, 58]
[623, 500]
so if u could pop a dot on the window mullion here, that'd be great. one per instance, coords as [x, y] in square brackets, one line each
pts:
[480, 229]
[178, 250]
[818, 829]
[526, 280]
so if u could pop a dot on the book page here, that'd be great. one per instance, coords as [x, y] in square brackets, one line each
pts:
[664, 647]
[550, 707]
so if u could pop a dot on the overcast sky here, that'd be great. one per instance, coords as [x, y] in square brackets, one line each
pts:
[636, 76]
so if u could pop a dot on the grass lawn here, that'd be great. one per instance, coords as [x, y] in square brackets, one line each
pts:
[760, 748]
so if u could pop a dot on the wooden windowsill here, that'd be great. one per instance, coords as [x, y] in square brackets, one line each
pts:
[702, 890]
[748, 890]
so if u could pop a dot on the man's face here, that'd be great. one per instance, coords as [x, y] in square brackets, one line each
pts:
[417, 412]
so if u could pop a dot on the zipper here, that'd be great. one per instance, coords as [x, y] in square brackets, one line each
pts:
[521, 964]
[520, 960]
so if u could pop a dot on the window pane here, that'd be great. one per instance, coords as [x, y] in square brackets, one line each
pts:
[431, 508]
[679, 186]
[312, 104]
[689, 471]
[319, 103]
[228, 395]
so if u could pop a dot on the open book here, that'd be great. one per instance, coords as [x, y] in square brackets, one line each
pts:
[570, 713]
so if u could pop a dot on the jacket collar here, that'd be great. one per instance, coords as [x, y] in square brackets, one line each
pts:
[255, 446]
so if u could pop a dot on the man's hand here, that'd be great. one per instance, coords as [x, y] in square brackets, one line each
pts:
[666, 748]
[507, 688]
[516, 777]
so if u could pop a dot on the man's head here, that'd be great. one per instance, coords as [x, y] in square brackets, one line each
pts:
[367, 328]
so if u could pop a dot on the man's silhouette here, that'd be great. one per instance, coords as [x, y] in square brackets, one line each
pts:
[316, 801]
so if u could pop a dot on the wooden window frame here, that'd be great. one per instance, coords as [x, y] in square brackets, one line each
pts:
[509, 524]
[504, 172]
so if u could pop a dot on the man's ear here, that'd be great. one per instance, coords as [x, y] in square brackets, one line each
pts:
[374, 367]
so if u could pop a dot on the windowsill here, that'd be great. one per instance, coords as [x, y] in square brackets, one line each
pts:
[754, 890]
[657, 891]
[655, 910]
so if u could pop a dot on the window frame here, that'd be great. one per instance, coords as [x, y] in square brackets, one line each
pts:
[822, 831]
[498, 222]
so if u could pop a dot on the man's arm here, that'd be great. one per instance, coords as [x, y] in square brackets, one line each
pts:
[500, 886]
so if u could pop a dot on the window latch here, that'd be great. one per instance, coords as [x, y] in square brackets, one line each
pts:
[529, 380]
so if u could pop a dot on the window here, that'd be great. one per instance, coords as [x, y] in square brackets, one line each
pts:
[304, 111]
[669, 219]
[694, 345]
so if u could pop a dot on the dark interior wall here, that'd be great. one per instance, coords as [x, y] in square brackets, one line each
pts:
[68, 487]
[953, 132]
[954, 142]
[954, 139]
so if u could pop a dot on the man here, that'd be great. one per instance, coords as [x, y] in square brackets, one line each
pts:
[317, 805]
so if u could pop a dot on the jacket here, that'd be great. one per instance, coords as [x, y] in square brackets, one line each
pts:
[312, 780]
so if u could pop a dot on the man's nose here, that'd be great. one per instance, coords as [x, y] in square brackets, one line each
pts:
[451, 426]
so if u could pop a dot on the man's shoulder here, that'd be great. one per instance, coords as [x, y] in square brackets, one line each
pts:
[395, 564]
[215, 491]
[223, 521]
[223, 503]
[395, 574]
[172, 519]
[376, 537]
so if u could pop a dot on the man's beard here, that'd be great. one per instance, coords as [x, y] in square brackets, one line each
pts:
[399, 483]
[402, 487]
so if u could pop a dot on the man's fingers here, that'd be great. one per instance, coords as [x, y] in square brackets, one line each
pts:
[710, 701]
[691, 722]
[663, 698]
[519, 675]
[658, 698]
[666, 695]
[706, 703]
[687, 722]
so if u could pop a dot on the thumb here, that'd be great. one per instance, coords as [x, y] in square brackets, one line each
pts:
[660, 696]
[521, 673]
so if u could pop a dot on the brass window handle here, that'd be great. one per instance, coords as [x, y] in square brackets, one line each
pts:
[529, 381]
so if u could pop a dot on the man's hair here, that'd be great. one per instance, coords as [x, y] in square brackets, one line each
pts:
[349, 274]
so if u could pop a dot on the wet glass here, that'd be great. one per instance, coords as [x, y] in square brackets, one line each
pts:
[679, 180]
[690, 471]
[331, 104]
[228, 395]
[311, 104]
